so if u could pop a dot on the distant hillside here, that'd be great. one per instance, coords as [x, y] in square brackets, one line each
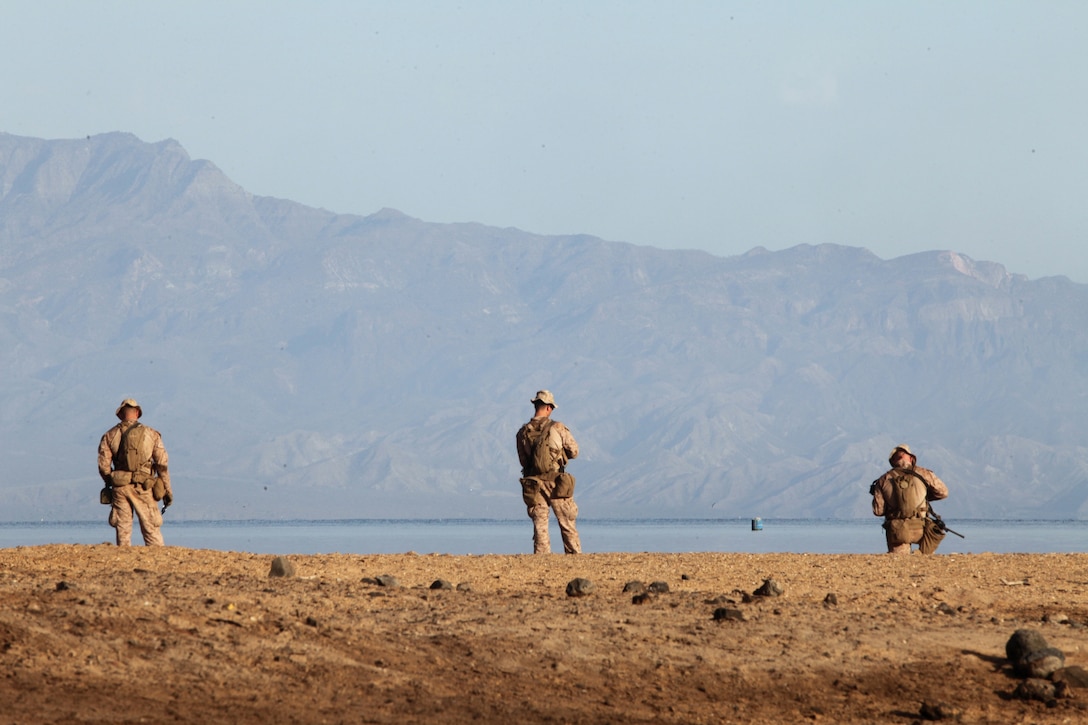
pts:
[303, 364]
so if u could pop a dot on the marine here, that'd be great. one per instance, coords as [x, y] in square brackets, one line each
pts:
[544, 447]
[902, 497]
[134, 465]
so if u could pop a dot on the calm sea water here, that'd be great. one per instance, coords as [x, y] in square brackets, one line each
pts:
[487, 536]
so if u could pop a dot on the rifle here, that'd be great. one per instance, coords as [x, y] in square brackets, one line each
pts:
[939, 523]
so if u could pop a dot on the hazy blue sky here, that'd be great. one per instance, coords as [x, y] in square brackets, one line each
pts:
[896, 126]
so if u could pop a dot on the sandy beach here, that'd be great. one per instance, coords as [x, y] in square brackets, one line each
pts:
[98, 634]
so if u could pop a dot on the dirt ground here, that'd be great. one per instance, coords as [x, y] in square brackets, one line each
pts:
[98, 634]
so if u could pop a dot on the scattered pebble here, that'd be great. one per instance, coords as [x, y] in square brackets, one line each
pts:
[659, 587]
[634, 587]
[441, 584]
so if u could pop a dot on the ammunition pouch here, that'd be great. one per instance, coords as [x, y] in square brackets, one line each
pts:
[564, 486]
[120, 478]
[158, 488]
[105, 496]
[135, 478]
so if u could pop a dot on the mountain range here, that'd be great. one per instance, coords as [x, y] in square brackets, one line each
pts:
[306, 364]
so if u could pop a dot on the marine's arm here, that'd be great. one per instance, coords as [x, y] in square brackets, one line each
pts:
[524, 454]
[877, 490]
[570, 446]
[105, 457]
[935, 487]
[160, 464]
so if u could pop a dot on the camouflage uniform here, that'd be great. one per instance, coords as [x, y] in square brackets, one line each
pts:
[133, 491]
[903, 528]
[538, 490]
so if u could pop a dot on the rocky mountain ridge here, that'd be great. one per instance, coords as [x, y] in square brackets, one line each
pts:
[305, 364]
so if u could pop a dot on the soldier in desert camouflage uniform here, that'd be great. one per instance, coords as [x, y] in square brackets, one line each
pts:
[133, 463]
[902, 497]
[544, 480]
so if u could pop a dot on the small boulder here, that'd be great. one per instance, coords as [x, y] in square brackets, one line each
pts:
[282, 566]
[1074, 676]
[722, 614]
[770, 588]
[1031, 656]
[939, 711]
[580, 587]
[1035, 688]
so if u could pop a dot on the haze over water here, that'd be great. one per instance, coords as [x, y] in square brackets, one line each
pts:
[483, 536]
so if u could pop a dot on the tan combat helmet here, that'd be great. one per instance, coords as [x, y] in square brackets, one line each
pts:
[544, 396]
[906, 449]
[129, 403]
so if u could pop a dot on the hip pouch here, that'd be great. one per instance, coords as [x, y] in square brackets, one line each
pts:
[531, 492]
[158, 488]
[105, 496]
[564, 486]
[932, 537]
[538, 489]
[904, 531]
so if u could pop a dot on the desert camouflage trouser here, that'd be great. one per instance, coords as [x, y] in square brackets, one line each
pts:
[566, 512]
[134, 499]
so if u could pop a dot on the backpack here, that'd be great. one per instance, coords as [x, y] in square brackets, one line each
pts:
[134, 449]
[542, 458]
[908, 494]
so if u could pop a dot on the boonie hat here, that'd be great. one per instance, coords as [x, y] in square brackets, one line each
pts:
[544, 396]
[901, 447]
[129, 403]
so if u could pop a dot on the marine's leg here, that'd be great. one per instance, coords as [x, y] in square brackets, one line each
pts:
[901, 533]
[150, 519]
[541, 541]
[566, 513]
[121, 515]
